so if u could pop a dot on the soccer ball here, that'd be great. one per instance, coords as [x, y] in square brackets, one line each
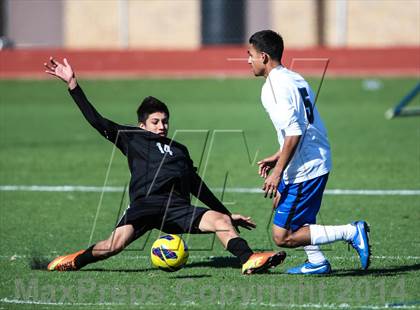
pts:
[169, 253]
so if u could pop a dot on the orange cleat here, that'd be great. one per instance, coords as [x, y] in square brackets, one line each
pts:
[260, 262]
[64, 263]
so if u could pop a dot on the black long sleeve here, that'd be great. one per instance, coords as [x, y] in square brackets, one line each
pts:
[200, 190]
[104, 126]
[152, 170]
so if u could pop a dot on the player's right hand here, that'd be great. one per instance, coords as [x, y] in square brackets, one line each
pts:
[271, 184]
[62, 71]
[265, 165]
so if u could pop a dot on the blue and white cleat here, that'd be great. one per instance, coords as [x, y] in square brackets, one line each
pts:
[360, 243]
[309, 268]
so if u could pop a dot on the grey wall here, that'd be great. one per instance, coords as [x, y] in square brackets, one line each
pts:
[34, 23]
[258, 17]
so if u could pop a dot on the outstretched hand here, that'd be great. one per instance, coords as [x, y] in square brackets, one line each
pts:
[62, 71]
[242, 221]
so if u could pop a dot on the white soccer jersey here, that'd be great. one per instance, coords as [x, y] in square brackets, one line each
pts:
[289, 101]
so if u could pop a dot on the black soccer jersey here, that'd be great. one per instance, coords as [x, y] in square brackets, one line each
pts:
[158, 165]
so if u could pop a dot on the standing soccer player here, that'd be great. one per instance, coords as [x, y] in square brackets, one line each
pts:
[299, 170]
[162, 179]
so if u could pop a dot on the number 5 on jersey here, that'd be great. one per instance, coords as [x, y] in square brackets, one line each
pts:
[308, 104]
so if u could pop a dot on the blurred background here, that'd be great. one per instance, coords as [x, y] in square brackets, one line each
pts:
[207, 37]
[190, 24]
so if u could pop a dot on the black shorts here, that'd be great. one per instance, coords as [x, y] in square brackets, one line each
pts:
[172, 215]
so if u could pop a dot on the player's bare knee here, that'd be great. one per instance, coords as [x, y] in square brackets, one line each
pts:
[222, 221]
[227, 220]
[279, 240]
[284, 241]
[223, 224]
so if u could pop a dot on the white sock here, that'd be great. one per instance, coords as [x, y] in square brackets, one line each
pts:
[314, 253]
[327, 234]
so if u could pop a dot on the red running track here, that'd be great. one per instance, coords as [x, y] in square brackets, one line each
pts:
[211, 61]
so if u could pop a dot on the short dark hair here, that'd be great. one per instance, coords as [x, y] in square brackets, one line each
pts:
[269, 42]
[149, 106]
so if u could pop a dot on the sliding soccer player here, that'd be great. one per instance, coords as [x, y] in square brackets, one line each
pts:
[162, 179]
[300, 169]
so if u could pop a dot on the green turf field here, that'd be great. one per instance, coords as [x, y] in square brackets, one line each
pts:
[45, 141]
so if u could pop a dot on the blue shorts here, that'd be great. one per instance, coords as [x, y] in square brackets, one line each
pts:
[299, 203]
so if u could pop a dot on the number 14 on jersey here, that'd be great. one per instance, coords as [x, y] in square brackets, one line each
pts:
[164, 149]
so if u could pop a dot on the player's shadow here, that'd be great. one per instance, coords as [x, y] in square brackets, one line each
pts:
[117, 270]
[195, 276]
[213, 262]
[217, 262]
[37, 262]
[376, 272]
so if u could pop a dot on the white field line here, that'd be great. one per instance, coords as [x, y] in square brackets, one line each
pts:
[245, 190]
[49, 303]
[194, 304]
[87, 304]
[333, 306]
[62, 188]
[205, 258]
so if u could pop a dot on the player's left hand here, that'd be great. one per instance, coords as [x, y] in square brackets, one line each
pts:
[62, 71]
[270, 185]
[243, 221]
